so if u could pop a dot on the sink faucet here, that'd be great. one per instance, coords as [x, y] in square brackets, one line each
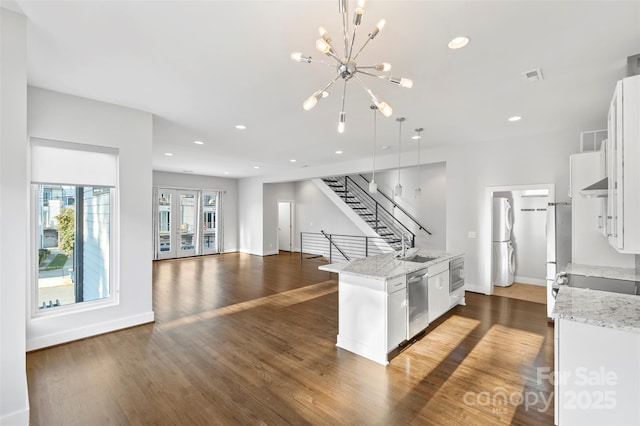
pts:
[405, 239]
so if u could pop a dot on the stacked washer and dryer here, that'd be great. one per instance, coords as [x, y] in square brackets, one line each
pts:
[504, 256]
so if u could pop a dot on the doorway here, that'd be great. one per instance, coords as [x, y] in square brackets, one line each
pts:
[530, 233]
[285, 226]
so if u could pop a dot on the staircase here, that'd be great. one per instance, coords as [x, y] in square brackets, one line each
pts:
[372, 212]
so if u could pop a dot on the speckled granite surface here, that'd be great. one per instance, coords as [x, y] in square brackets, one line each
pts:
[599, 308]
[388, 265]
[627, 274]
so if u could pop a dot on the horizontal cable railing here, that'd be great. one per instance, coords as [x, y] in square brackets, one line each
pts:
[340, 248]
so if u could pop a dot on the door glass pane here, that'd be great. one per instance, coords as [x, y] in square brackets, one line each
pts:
[74, 244]
[209, 222]
[164, 222]
[187, 221]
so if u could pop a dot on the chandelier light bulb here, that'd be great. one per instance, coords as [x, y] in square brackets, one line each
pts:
[357, 17]
[385, 66]
[385, 109]
[296, 56]
[323, 46]
[310, 103]
[379, 26]
[361, 3]
[406, 83]
[341, 122]
[323, 33]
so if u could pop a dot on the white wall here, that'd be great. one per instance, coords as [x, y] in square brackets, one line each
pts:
[14, 399]
[57, 116]
[272, 194]
[190, 181]
[315, 212]
[429, 209]
[250, 223]
[529, 238]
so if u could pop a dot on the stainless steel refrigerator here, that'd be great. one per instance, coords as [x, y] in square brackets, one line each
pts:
[558, 245]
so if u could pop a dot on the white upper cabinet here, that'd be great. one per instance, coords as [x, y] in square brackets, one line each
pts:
[623, 167]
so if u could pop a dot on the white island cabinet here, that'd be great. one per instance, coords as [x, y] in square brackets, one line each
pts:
[372, 300]
[597, 358]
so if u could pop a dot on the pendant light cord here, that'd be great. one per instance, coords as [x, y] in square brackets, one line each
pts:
[374, 108]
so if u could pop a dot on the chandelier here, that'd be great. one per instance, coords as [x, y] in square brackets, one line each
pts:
[346, 65]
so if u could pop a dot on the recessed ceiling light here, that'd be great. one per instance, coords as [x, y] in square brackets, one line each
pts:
[458, 42]
[226, 173]
[198, 142]
[416, 137]
[515, 118]
[338, 152]
[293, 160]
[256, 167]
[241, 127]
[168, 154]
[384, 147]
[325, 94]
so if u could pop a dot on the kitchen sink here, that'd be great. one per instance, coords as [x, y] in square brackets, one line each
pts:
[417, 258]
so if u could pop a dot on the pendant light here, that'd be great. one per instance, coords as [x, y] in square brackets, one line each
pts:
[373, 186]
[398, 189]
[418, 138]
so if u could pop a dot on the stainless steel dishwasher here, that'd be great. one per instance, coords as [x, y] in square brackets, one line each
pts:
[418, 301]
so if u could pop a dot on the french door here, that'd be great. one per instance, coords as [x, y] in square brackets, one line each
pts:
[209, 222]
[177, 230]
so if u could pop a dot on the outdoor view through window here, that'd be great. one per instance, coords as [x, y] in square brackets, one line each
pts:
[73, 231]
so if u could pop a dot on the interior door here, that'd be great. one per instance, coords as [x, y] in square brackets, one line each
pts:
[209, 222]
[284, 226]
[166, 242]
[186, 231]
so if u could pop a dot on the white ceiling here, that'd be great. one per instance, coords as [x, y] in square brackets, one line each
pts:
[201, 67]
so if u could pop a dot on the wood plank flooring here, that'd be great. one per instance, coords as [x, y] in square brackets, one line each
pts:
[532, 293]
[241, 339]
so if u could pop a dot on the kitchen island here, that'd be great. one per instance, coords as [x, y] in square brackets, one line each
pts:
[597, 356]
[374, 303]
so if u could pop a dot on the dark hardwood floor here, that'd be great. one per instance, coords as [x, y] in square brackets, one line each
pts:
[242, 339]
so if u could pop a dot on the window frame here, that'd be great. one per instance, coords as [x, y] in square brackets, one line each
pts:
[114, 260]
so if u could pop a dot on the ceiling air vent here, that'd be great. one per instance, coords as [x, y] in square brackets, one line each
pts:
[533, 75]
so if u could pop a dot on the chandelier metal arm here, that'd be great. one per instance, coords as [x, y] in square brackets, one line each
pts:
[361, 48]
[345, 25]
[333, 80]
[374, 99]
[372, 74]
[353, 40]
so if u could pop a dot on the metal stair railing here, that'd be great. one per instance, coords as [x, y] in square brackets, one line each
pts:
[339, 247]
[396, 205]
[378, 217]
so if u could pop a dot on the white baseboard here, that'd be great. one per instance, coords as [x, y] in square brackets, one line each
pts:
[19, 418]
[270, 252]
[88, 331]
[529, 280]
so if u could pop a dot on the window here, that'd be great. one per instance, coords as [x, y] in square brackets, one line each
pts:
[74, 245]
[74, 218]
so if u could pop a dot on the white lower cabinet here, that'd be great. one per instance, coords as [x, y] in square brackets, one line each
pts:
[438, 283]
[372, 316]
[397, 318]
[597, 375]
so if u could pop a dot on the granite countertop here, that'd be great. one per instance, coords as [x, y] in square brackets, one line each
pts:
[626, 274]
[598, 308]
[385, 266]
